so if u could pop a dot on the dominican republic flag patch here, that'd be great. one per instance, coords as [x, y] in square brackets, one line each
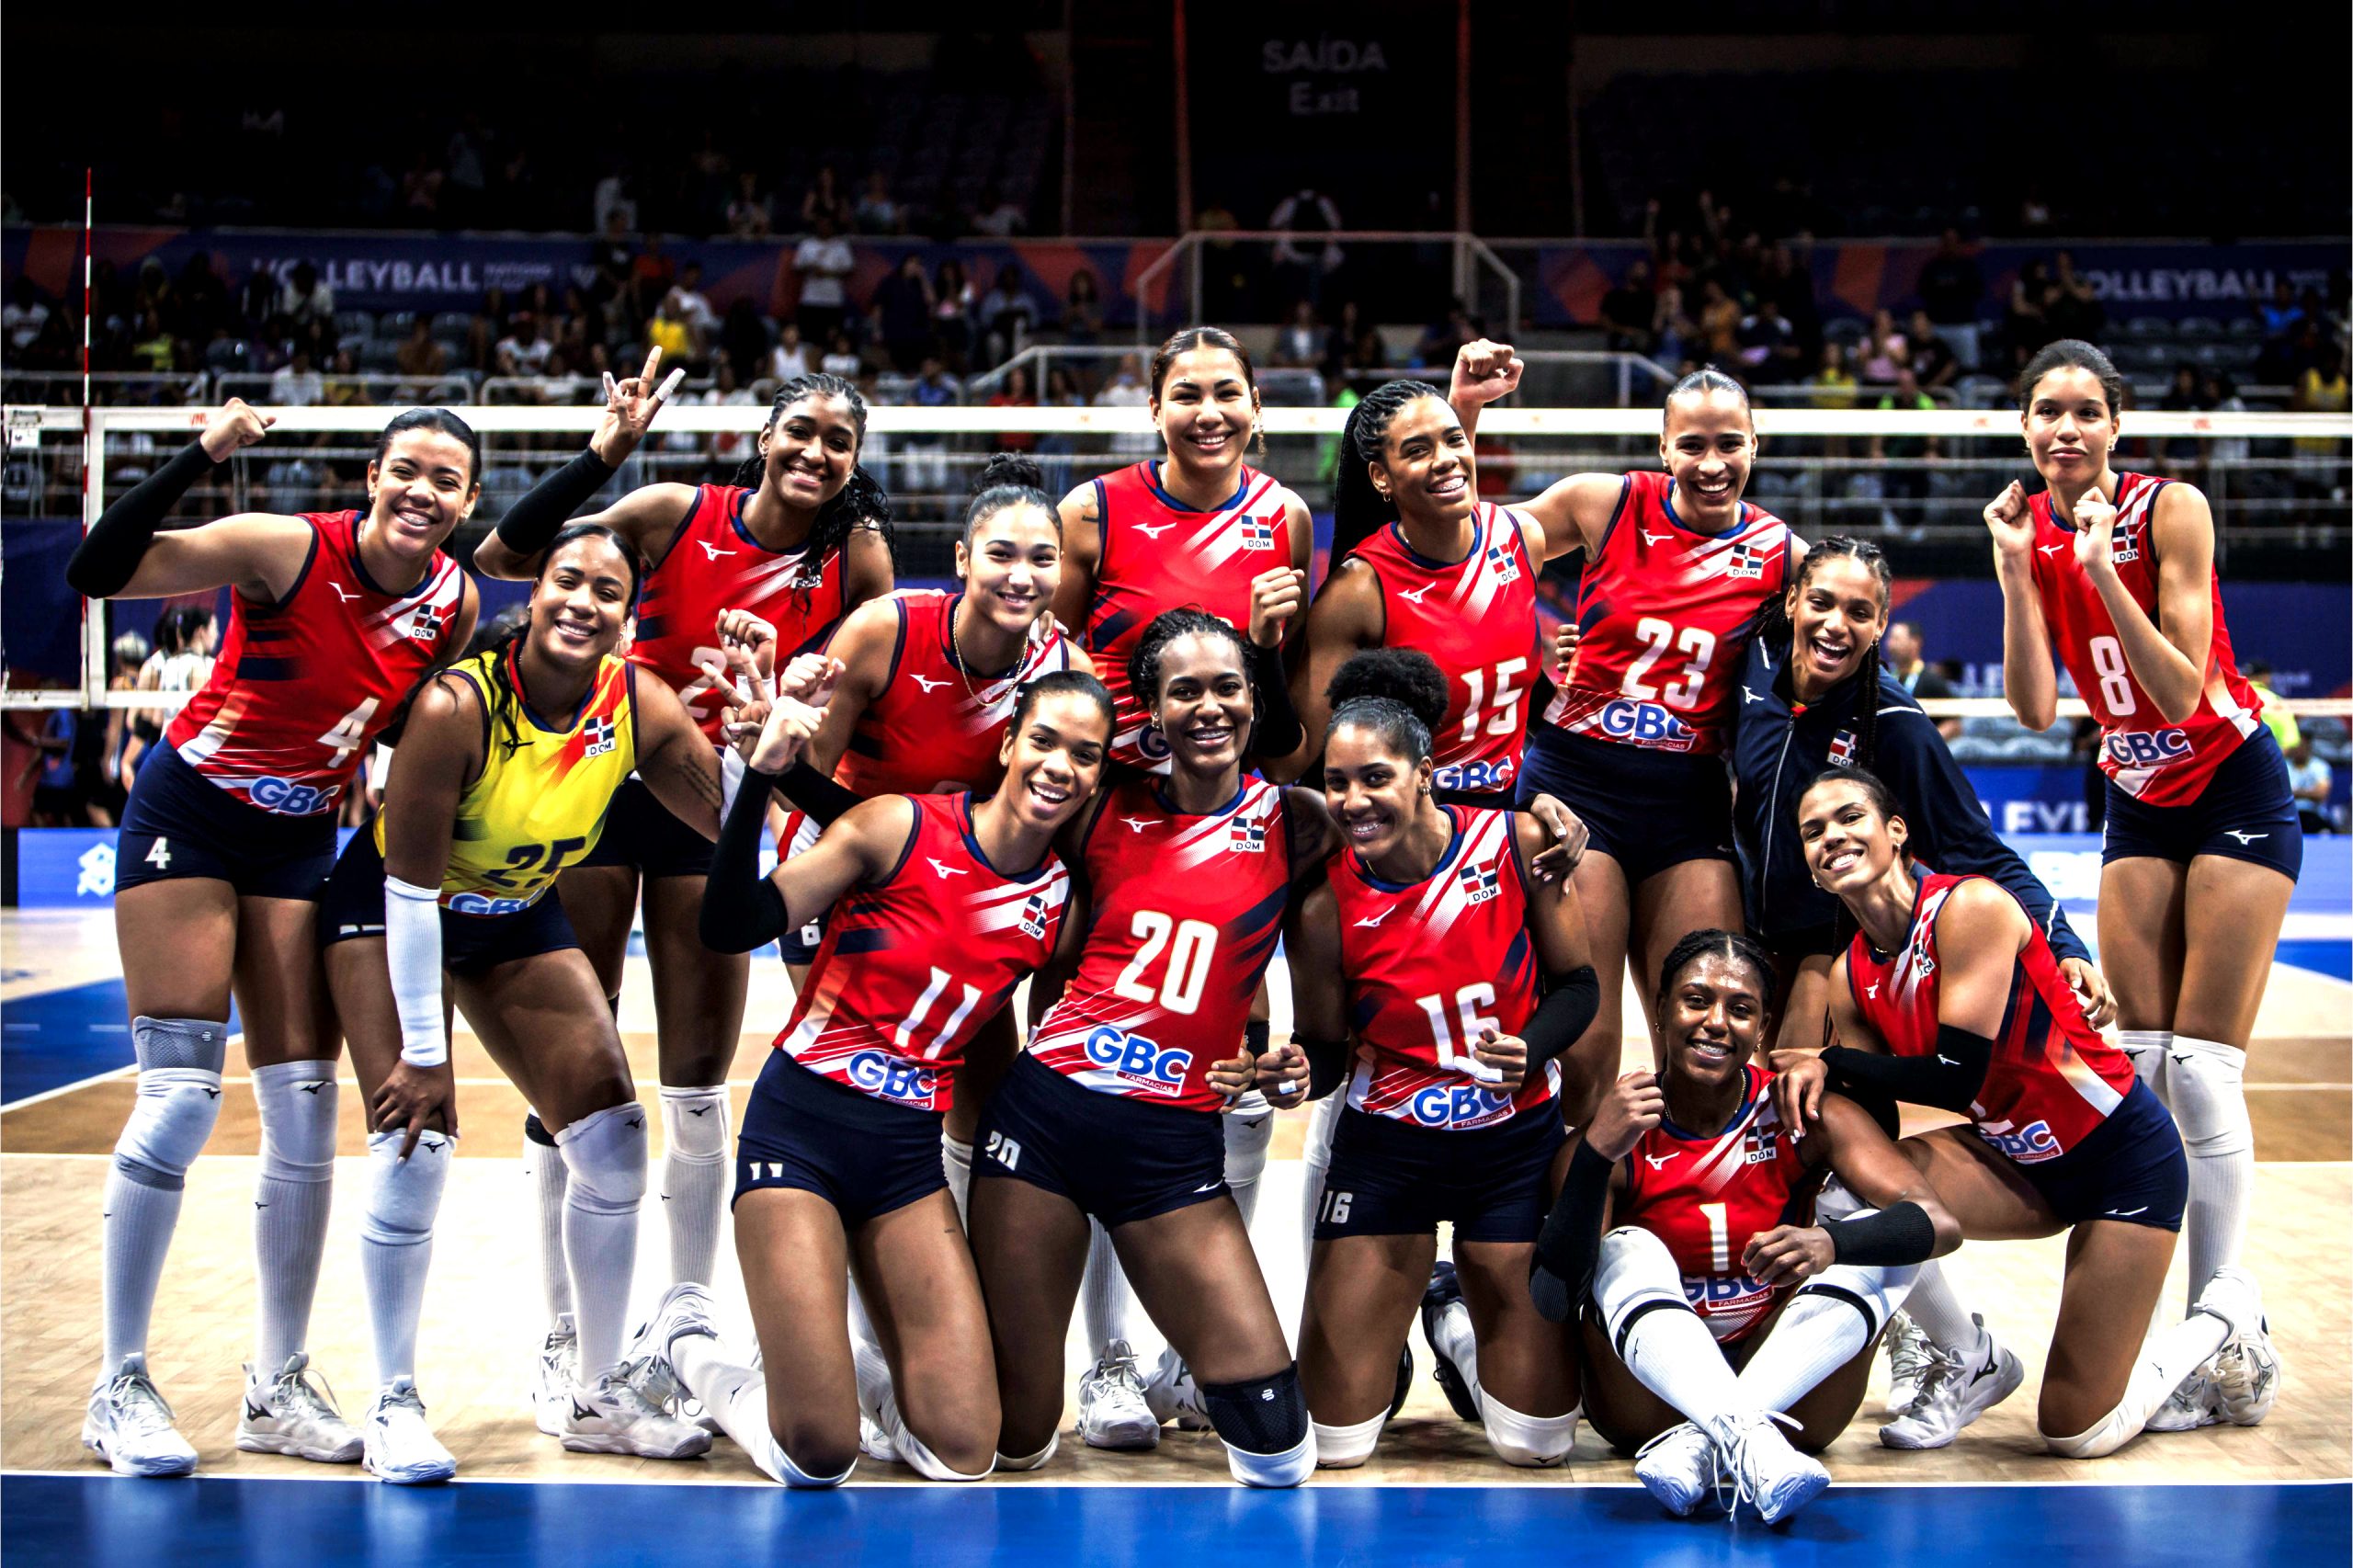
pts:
[1249, 838]
[1257, 533]
[1033, 914]
[1842, 749]
[1745, 559]
[425, 624]
[1506, 569]
[599, 734]
[1480, 883]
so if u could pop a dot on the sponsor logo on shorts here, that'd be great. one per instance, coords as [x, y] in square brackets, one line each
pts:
[2146, 748]
[1457, 1106]
[2028, 1145]
[1646, 724]
[1138, 1060]
[288, 798]
[480, 904]
[886, 1077]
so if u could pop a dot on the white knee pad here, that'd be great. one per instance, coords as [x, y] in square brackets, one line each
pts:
[1274, 1472]
[2146, 1051]
[920, 1458]
[1636, 1273]
[1533, 1442]
[405, 1196]
[2205, 1082]
[1344, 1448]
[793, 1476]
[179, 1101]
[298, 1102]
[604, 1154]
[694, 1124]
[1246, 1139]
[1030, 1461]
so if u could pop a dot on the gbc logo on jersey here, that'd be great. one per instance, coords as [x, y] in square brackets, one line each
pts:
[1647, 723]
[2147, 748]
[887, 1077]
[2027, 1145]
[1138, 1060]
[1462, 1104]
[288, 798]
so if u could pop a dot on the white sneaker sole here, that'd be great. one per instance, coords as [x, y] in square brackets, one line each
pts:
[1808, 1485]
[599, 1443]
[1667, 1495]
[1135, 1434]
[416, 1475]
[254, 1442]
[1982, 1396]
[163, 1468]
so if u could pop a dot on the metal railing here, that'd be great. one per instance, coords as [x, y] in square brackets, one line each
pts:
[1471, 261]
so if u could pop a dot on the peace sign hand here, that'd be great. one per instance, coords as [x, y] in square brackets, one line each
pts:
[629, 408]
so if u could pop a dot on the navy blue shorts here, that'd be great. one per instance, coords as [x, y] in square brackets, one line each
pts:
[1119, 1159]
[2130, 1168]
[353, 907]
[2247, 812]
[865, 1157]
[1646, 810]
[178, 824]
[641, 833]
[1393, 1178]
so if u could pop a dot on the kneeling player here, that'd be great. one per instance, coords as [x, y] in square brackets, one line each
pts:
[1697, 1170]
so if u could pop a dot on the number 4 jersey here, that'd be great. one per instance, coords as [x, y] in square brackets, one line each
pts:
[1666, 615]
[1182, 920]
[912, 965]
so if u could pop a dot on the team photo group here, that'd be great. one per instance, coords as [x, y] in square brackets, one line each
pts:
[1093, 868]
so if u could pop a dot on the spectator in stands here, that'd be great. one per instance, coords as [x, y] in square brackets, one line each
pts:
[901, 314]
[1720, 316]
[155, 350]
[2181, 455]
[1082, 309]
[1126, 390]
[823, 262]
[1834, 378]
[1303, 260]
[306, 298]
[2218, 393]
[2027, 324]
[203, 299]
[1444, 337]
[694, 305]
[743, 337]
[1768, 345]
[2321, 389]
[421, 187]
[1015, 392]
[1673, 325]
[666, 329]
[1056, 448]
[841, 358]
[257, 299]
[2308, 777]
[2281, 313]
[750, 215]
[876, 213]
[1297, 339]
[613, 208]
[1934, 364]
[523, 351]
[23, 317]
[1885, 351]
[1629, 312]
[2072, 310]
[1008, 314]
[652, 275]
[1789, 284]
[1952, 291]
[729, 448]
[1904, 460]
[825, 200]
[1000, 216]
[927, 454]
[790, 357]
[1902, 650]
[953, 301]
[2276, 716]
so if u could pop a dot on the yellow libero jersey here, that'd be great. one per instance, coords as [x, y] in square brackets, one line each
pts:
[539, 806]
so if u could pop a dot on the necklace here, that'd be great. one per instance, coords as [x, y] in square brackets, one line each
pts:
[963, 669]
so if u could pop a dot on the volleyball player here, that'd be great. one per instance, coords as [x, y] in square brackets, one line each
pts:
[1711, 1310]
[1113, 1115]
[1949, 996]
[226, 846]
[1443, 981]
[2203, 845]
[1677, 572]
[936, 906]
[504, 773]
[1197, 526]
[800, 539]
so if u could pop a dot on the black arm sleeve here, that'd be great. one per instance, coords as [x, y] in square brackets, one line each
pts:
[809, 790]
[108, 556]
[1280, 731]
[1570, 1003]
[740, 908]
[1327, 1063]
[1952, 833]
[1561, 1275]
[1893, 1237]
[1949, 1079]
[541, 511]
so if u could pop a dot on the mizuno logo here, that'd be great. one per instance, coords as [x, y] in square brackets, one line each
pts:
[254, 1411]
[1748, 695]
[214, 1093]
[1137, 825]
[635, 1121]
[697, 1110]
[1948, 1060]
[712, 552]
[2127, 1213]
[582, 1412]
[926, 685]
[2244, 838]
[1374, 920]
[1650, 537]
[1871, 990]
[315, 1087]
[2052, 549]
[1415, 595]
[1658, 1160]
[1154, 530]
[946, 870]
[347, 598]
[1210, 1186]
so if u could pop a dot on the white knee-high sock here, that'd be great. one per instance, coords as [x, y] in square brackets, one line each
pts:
[1937, 1312]
[1817, 1335]
[1322, 1125]
[1672, 1353]
[2146, 1049]
[737, 1397]
[2209, 1104]
[1458, 1344]
[1247, 1134]
[296, 1101]
[956, 1163]
[606, 1152]
[693, 1177]
[2166, 1360]
[1103, 1292]
[396, 1242]
[178, 1100]
[543, 1168]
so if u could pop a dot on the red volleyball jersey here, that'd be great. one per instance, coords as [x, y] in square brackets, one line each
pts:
[913, 966]
[2152, 760]
[1666, 615]
[2053, 1078]
[1427, 965]
[1159, 554]
[1707, 1194]
[1476, 618]
[713, 564]
[1183, 916]
[934, 726]
[303, 686]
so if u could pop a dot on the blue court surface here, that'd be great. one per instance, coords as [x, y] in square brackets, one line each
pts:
[108, 1522]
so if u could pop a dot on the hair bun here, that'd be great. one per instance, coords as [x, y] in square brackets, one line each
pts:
[1015, 469]
[1405, 676]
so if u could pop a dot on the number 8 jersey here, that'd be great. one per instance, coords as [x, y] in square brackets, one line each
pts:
[1428, 965]
[1666, 614]
[913, 964]
[2151, 760]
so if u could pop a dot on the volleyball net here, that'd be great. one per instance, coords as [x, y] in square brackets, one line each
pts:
[1914, 482]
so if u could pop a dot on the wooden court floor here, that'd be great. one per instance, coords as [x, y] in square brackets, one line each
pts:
[483, 1317]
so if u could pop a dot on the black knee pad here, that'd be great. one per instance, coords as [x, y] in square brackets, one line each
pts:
[1267, 1415]
[536, 1130]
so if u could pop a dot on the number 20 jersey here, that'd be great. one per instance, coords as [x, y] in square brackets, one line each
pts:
[913, 964]
[1666, 615]
[1424, 964]
[1183, 916]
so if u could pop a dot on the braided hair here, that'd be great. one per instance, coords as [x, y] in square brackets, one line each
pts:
[861, 503]
[505, 699]
[1780, 631]
[1736, 946]
[1188, 621]
[1396, 693]
[1359, 510]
